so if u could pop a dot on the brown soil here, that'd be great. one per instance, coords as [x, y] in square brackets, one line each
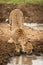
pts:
[32, 12]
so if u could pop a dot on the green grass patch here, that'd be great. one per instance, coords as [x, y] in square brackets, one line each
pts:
[21, 1]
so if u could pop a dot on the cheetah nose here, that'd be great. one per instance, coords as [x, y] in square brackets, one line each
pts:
[10, 40]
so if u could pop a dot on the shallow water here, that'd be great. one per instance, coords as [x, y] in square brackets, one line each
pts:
[35, 26]
[26, 60]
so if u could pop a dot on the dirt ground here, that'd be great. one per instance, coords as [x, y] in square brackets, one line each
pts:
[32, 12]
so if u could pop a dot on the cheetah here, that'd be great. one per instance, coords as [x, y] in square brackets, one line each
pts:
[16, 19]
[18, 33]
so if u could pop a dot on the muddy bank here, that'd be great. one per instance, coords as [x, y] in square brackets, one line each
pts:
[7, 51]
[32, 12]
